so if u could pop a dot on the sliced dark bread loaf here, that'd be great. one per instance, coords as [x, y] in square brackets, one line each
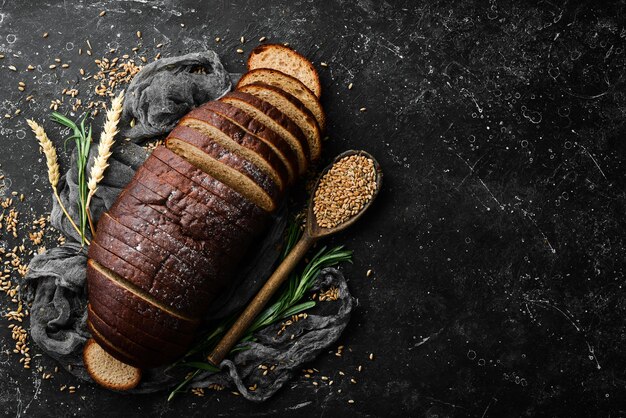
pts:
[186, 300]
[239, 142]
[106, 370]
[111, 348]
[282, 58]
[196, 221]
[146, 357]
[139, 328]
[260, 131]
[289, 84]
[292, 107]
[275, 120]
[230, 196]
[102, 280]
[225, 166]
[145, 246]
[232, 214]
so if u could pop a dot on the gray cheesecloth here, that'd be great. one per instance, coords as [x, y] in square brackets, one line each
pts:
[158, 96]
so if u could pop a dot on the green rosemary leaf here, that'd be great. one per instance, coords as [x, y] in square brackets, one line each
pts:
[201, 365]
[301, 307]
[182, 384]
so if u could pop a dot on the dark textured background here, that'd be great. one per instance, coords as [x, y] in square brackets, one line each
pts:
[497, 245]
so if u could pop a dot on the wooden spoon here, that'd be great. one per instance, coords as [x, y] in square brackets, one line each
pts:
[312, 233]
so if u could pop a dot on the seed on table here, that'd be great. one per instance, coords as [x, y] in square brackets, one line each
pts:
[239, 51]
[138, 34]
[81, 71]
[1, 56]
[242, 40]
[65, 66]
[45, 34]
[12, 68]
[102, 13]
[30, 68]
[363, 109]
[218, 39]
[52, 66]
[159, 45]
[323, 64]
[350, 86]
[262, 38]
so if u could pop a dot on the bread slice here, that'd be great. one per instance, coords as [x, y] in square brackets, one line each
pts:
[186, 300]
[282, 58]
[289, 84]
[146, 357]
[260, 131]
[292, 107]
[275, 120]
[229, 195]
[201, 221]
[107, 371]
[237, 141]
[101, 279]
[230, 213]
[225, 166]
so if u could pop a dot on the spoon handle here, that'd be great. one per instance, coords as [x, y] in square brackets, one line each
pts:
[261, 299]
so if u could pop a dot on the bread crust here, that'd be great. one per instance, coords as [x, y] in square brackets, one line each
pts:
[89, 348]
[261, 131]
[307, 122]
[290, 131]
[258, 152]
[269, 191]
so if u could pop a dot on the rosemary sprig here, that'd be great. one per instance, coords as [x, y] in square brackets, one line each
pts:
[82, 138]
[288, 302]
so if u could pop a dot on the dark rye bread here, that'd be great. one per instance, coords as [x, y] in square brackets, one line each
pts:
[161, 230]
[232, 214]
[148, 248]
[285, 59]
[292, 107]
[230, 196]
[225, 166]
[139, 331]
[168, 291]
[146, 357]
[289, 84]
[126, 313]
[165, 270]
[182, 208]
[239, 142]
[110, 348]
[260, 131]
[101, 280]
[199, 223]
[275, 120]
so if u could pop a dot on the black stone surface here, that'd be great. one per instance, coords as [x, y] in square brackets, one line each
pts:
[497, 245]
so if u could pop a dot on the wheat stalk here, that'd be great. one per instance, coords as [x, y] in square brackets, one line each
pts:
[107, 139]
[53, 165]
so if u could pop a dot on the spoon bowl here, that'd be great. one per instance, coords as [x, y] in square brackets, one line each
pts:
[312, 227]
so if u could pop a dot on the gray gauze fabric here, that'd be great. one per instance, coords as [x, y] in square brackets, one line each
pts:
[168, 88]
[55, 284]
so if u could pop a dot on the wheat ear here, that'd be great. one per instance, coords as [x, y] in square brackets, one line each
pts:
[107, 139]
[53, 166]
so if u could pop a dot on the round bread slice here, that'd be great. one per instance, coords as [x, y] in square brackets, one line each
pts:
[107, 371]
[289, 84]
[236, 172]
[275, 120]
[239, 142]
[292, 107]
[282, 58]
